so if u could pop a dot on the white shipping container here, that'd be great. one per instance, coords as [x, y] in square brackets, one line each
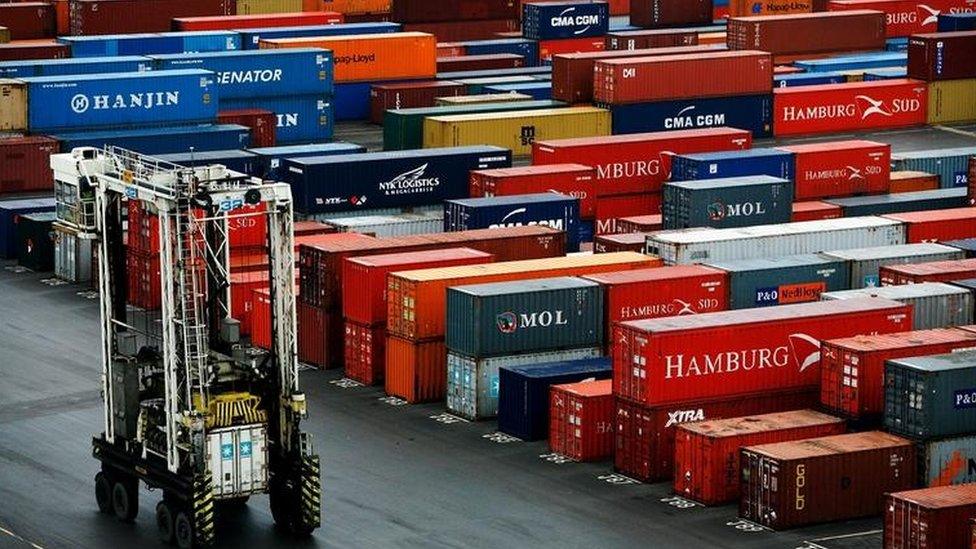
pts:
[238, 458]
[783, 239]
[403, 224]
[866, 263]
[934, 304]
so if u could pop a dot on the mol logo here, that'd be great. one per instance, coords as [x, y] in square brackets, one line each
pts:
[81, 103]
[718, 211]
[510, 322]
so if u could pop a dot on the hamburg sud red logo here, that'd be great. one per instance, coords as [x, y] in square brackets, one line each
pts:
[841, 108]
[802, 350]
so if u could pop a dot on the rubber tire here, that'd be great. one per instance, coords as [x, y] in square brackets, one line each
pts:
[103, 493]
[183, 530]
[165, 525]
[125, 500]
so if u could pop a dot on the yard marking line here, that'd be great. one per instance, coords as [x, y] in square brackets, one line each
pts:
[855, 535]
[956, 131]
[18, 538]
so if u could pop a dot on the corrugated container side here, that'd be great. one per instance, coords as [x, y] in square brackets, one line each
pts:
[365, 348]
[937, 271]
[861, 30]
[836, 108]
[930, 518]
[931, 397]
[581, 420]
[934, 304]
[866, 263]
[935, 226]
[782, 281]
[416, 371]
[947, 462]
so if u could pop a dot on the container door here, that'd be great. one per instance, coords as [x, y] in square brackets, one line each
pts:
[252, 459]
[221, 452]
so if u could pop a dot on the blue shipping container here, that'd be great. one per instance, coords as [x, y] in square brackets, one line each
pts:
[772, 162]
[808, 79]
[751, 112]
[401, 179]
[537, 90]
[897, 44]
[954, 22]
[10, 210]
[239, 161]
[854, 62]
[59, 67]
[889, 73]
[783, 280]
[251, 38]
[162, 140]
[260, 73]
[528, 49]
[523, 393]
[71, 102]
[495, 73]
[556, 20]
[951, 165]
[269, 158]
[352, 100]
[151, 43]
[881, 204]
[301, 119]
[547, 209]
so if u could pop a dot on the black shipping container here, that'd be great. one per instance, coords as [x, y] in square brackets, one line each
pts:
[728, 202]
[931, 397]
[35, 241]
[940, 199]
[10, 213]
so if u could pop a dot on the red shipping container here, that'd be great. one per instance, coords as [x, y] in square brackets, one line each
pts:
[459, 31]
[144, 279]
[364, 278]
[25, 164]
[855, 106]
[935, 271]
[938, 225]
[29, 20]
[574, 180]
[365, 352]
[971, 177]
[261, 319]
[639, 224]
[311, 228]
[687, 358]
[611, 208]
[242, 288]
[852, 369]
[651, 38]
[451, 49]
[670, 13]
[581, 419]
[644, 447]
[260, 20]
[611, 243]
[911, 182]
[479, 62]
[639, 162]
[409, 95]
[665, 291]
[808, 33]
[416, 371]
[551, 48]
[34, 49]
[250, 231]
[973, 533]
[840, 168]
[420, 11]
[572, 73]
[706, 454]
[814, 210]
[112, 16]
[263, 124]
[739, 8]
[667, 77]
[319, 336]
[786, 69]
[930, 518]
[942, 56]
[790, 484]
[906, 17]
[619, 7]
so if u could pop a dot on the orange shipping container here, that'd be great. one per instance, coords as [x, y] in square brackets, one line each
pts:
[910, 182]
[362, 57]
[416, 372]
[417, 299]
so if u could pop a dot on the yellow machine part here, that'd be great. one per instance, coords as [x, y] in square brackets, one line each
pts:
[229, 409]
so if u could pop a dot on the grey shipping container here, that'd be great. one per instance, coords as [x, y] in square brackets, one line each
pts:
[472, 384]
[967, 245]
[865, 263]
[507, 318]
[934, 304]
[73, 254]
[727, 202]
[401, 224]
[775, 240]
[952, 165]
[947, 461]
[881, 204]
[782, 280]
[931, 397]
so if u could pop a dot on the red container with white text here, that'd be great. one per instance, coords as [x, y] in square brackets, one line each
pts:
[840, 168]
[906, 17]
[938, 225]
[575, 180]
[611, 208]
[581, 420]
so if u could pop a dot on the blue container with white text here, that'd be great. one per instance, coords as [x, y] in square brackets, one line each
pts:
[270, 158]
[301, 119]
[951, 165]
[528, 49]
[251, 38]
[751, 112]
[808, 79]
[547, 209]
[559, 20]
[772, 162]
[86, 65]
[162, 140]
[151, 43]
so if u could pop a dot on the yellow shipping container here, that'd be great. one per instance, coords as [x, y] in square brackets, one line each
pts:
[952, 101]
[353, 6]
[13, 105]
[4, 35]
[483, 98]
[515, 130]
[251, 7]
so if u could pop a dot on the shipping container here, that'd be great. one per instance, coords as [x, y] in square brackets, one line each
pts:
[528, 49]
[11, 212]
[238, 161]
[706, 460]
[372, 56]
[797, 34]
[752, 113]
[409, 95]
[350, 182]
[968, 246]
[18, 51]
[951, 165]
[365, 352]
[815, 210]
[479, 62]
[947, 462]
[882, 204]
[935, 271]
[719, 165]
[86, 65]
[726, 202]
[402, 224]
[651, 39]
[472, 383]
[930, 518]
[934, 304]
[523, 393]
[763, 282]
[639, 224]
[942, 56]
[611, 208]
[299, 119]
[320, 336]
[581, 420]
[257, 21]
[930, 397]
[952, 101]
[28, 20]
[853, 369]
[849, 107]
[476, 86]
[905, 17]
[853, 62]
[574, 180]
[669, 360]
[629, 80]
[418, 11]
[952, 22]
[742, 8]
[638, 162]
[808, 79]
[151, 43]
[669, 13]
[25, 164]
[482, 98]
[520, 71]
[270, 158]
[938, 225]
[261, 319]
[645, 436]
[559, 20]
[547, 209]
[415, 371]
[866, 263]
[840, 477]
[360, 8]
[478, 29]
[551, 48]
[162, 140]
[903, 181]
[534, 90]
[251, 38]
[418, 299]
[841, 168]
[611, 243]
[109, 16]
[773, 240]
[35, 241]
